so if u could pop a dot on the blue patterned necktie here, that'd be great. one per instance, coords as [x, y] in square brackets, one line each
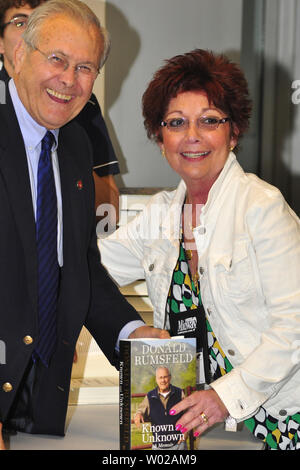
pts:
[46, 239]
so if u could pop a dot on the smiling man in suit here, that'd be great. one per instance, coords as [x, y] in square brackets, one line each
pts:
[14, 16]
[51, 279]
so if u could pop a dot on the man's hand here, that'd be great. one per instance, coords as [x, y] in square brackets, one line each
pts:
[2, 446]
[149, 332]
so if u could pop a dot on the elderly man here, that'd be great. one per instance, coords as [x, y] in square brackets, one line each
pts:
[51, 279]
[156, 408]
[14, 16]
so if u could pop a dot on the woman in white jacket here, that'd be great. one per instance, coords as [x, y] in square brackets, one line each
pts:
[220, 255]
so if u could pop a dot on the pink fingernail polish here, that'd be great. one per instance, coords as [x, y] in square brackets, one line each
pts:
[178, 427]
[183, 430]
[172, 412]
[196, 434]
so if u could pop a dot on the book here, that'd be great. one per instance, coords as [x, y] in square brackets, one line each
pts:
[155, 374]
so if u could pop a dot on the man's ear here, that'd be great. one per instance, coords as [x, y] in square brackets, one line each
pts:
[19, 55]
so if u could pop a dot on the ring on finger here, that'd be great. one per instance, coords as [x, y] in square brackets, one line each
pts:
[204, 417]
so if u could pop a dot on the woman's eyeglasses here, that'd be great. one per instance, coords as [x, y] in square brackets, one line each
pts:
[179, 124]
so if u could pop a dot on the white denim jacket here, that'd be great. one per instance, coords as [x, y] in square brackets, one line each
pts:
[248, 246]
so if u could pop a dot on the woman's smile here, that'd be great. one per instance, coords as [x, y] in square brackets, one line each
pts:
[195, 155]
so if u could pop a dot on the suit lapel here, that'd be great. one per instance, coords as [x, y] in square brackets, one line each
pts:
[74, 212]
[14, 169]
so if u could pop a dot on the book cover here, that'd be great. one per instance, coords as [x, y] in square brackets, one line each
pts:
[155, 374]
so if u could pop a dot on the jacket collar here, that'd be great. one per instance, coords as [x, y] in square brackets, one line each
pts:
[172, 223]
[14, 172]
[220, 185]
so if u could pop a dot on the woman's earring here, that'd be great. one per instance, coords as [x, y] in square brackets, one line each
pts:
[163, 153]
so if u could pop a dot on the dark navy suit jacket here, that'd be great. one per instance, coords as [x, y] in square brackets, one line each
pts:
[87, 295]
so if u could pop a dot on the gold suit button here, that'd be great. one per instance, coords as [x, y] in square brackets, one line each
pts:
[7, 387]
[27, 339]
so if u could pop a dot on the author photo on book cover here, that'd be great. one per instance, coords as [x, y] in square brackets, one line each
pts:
[220, 254]
[155, 408]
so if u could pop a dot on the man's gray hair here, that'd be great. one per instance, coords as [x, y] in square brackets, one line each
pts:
[73, 8]
[163, 367]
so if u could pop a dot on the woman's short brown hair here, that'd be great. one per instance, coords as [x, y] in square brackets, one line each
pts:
[222, 80]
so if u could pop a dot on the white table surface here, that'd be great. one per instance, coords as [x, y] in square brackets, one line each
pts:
[96, 427]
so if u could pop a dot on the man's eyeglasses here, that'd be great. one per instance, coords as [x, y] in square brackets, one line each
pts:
[179, 124]
[60, 63]
[20, 22]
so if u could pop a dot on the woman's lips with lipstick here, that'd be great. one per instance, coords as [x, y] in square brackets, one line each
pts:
[58, 97]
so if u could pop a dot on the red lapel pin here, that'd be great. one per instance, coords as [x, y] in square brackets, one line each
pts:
[79, 184]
